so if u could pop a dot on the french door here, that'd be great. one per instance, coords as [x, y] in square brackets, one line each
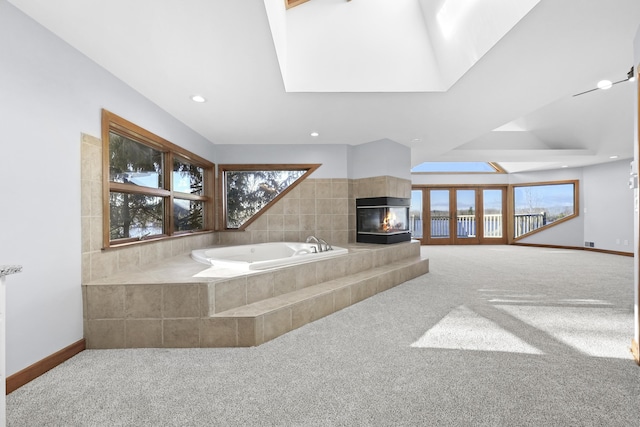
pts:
[458, 215]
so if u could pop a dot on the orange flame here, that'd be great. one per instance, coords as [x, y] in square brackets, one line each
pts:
[388, 223]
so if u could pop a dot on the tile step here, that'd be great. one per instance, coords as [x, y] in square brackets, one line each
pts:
[262, 321]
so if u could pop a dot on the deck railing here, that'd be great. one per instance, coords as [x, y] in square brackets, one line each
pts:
[465, 226]
[525, 223]
[439, 226]
[493, 225]
[415, 226]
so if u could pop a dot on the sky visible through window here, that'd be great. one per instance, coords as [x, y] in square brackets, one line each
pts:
[460, 167]
[553, 198]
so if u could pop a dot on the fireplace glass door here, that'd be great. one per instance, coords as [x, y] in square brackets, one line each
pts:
[382, 220]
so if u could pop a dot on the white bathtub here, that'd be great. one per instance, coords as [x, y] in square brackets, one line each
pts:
[263, 255]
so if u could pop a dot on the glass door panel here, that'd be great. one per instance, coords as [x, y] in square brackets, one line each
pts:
[439, 221]
[458, 215]
[492, 213]
[415, 215]
[466, 214]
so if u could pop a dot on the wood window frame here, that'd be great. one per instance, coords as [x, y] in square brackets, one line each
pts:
[114, 123]
[511, 204]
[222, 193]
[288, 4]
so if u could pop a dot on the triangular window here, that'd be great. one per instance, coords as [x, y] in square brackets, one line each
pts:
[247, 190]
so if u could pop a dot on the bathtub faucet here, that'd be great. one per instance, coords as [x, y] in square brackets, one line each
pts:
[319, 243]
[327, 247]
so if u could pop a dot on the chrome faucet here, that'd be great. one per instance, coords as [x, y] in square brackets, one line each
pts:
[316, 240]
[327, 247]
[319, 243]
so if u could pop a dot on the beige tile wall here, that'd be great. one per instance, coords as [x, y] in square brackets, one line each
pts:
[382, 186]
[153, 315]
[319, 207]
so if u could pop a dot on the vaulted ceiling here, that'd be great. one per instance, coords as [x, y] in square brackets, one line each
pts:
[490, 82]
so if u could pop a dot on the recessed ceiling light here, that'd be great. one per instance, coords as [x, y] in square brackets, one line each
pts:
[613, 157]
[198, 98]
[605, 84]
[416, 140]
[565, 166]
[315, 134]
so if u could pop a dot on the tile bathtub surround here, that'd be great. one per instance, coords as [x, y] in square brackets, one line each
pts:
[145, 308]
[144, 315]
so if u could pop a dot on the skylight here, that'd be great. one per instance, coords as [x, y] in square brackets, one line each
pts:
[386, 46]
[452, 14]
[457, 167]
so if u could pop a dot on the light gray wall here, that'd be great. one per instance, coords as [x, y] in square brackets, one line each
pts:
[334, 158]
[380, 158]
[546, 176]
[607, 206]
[50, 93]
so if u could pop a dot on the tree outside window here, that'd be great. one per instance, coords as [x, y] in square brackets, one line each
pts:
[249, 189]
[155, 189]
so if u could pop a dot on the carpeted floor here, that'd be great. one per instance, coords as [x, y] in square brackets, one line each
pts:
[492, 336]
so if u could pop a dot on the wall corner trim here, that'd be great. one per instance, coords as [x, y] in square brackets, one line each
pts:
[32, 372]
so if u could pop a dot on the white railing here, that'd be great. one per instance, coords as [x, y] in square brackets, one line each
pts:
[465, 226]
[525, 223]
[493, 225]
[415, 226]
[439, 226]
